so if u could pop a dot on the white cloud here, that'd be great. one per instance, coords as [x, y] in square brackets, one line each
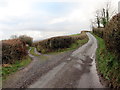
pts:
[57, 20]
[13, 8]
[1, 35]
[18, 16]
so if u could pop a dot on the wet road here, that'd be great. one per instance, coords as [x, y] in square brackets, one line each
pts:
[78, 70]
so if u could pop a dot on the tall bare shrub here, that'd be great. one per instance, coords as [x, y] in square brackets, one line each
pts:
[112, 34]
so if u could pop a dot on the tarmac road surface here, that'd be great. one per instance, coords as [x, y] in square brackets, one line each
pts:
[77, 70]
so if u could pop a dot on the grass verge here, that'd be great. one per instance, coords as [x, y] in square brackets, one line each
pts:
[10, 69]
[107, 64]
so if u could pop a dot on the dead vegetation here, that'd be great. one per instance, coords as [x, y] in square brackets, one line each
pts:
[13, 49]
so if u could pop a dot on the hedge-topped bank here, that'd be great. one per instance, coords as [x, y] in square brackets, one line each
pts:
[13, 49]
[57, 43]
[108, 53]
[108, 64]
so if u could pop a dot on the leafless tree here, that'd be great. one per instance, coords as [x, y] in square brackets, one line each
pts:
[105, 14]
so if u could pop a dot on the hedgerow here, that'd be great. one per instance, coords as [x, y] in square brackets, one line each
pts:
[56, 43]
[13, 49]
[112, 35]
[98, 31]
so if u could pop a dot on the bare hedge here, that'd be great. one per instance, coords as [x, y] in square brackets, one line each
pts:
[112, 34]
[12, 50]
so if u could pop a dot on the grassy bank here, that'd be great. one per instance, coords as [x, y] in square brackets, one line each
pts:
[12, 68]
[77, 44]
[107, 64]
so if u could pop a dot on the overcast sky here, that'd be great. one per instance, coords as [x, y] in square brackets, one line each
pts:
[41, 19]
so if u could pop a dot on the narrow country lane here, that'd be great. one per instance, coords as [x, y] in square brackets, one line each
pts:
[71, 69]
[76, 71]
[37, 68]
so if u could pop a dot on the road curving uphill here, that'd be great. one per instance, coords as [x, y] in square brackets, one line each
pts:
[76, 71]
[70, 69]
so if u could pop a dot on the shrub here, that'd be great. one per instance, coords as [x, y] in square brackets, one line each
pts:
[28, 40]
[13, 49]
[112, 34]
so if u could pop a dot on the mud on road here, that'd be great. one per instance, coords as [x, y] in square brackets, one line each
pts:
[73, 69]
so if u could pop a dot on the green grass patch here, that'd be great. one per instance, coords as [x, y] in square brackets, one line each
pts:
[6, 71]
[75, 34]
[107, 63]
